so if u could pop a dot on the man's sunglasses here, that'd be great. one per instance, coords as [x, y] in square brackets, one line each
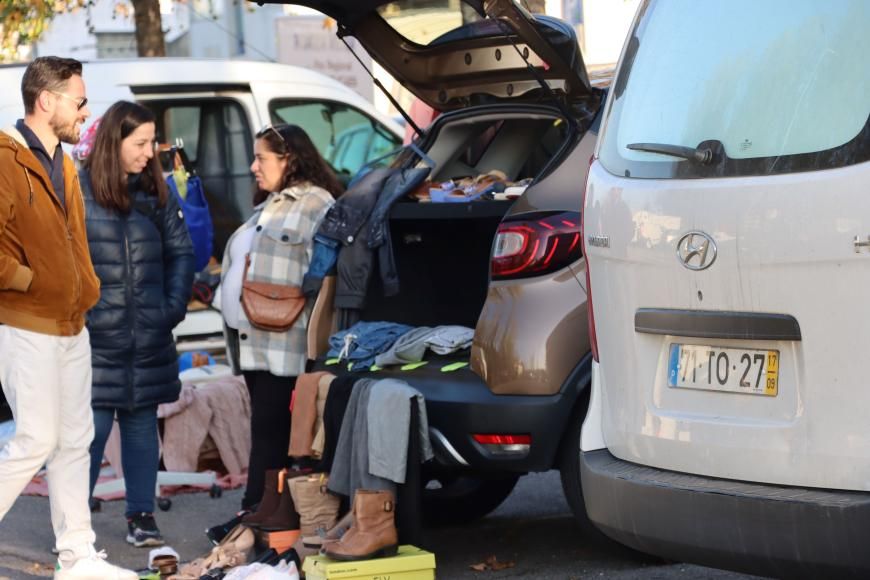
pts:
[80, 103]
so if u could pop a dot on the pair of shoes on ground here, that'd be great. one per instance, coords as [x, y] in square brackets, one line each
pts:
[92, 567]
[234, 550]
[216, 534]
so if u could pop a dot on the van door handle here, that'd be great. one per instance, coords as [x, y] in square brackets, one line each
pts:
[859, 244]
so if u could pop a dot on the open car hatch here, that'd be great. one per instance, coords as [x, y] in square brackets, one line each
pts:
[453, 58]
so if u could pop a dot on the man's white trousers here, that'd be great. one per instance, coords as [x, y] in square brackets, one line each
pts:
[47, 382]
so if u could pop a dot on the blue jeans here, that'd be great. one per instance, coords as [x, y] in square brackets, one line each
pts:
[323, 260]
[140, 453]
[365, 341]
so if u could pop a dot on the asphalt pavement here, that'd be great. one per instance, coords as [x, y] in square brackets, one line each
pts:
[532, 533]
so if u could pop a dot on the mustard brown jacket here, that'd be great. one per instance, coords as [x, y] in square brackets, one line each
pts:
[47, 281]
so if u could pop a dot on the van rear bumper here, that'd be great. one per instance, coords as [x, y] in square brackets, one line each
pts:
[748, 527]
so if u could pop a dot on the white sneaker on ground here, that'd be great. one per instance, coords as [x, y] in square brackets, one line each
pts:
[93, 567]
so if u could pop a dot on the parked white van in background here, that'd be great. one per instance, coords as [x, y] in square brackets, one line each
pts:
[217, 106]
[214, 108]
[727, 236]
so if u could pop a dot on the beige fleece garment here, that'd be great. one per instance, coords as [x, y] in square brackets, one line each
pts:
[219, 408]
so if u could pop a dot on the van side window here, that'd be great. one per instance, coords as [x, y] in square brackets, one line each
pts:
[217, 139]
[183, 123]
[346, 137]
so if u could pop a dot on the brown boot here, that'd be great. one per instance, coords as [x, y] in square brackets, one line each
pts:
[270, 501]
[373, 534]
[317, 507]
[285, 516]
[334, 534]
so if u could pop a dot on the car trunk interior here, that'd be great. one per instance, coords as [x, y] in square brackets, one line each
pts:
[442, 250]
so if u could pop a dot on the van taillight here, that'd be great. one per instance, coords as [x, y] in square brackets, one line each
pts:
[590, 314]
[531, 247]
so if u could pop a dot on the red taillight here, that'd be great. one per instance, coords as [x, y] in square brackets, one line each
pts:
[493, 439]
[590, 314]
[531, 247]
[514, 446]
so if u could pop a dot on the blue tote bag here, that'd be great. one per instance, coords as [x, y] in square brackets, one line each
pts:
[197, 217]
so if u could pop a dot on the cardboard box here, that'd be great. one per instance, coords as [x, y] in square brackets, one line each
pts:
[410, 563]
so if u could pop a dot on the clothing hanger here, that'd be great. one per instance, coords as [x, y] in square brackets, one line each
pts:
[185, 160]
[172, 162]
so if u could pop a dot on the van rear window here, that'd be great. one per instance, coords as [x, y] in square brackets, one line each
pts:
[767, 87]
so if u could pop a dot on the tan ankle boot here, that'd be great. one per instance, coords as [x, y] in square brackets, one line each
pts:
[317, 507]
[373, 534]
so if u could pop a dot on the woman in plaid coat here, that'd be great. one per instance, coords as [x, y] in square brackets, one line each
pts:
[294, 189]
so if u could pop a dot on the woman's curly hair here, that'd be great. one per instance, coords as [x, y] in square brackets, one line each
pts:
[304, 162]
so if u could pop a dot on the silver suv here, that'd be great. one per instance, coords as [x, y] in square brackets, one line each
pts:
[515, 98]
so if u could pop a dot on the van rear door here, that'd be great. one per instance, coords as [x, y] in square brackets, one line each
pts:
[726, 222]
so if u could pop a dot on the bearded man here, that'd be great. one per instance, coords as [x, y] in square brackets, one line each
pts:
[47, 284]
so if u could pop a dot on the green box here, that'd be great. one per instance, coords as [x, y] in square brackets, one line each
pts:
[411, 563]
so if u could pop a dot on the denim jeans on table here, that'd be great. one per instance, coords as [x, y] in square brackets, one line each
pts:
[363, 341]
[140, 453]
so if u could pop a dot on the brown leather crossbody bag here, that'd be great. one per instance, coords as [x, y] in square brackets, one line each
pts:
[272, 307]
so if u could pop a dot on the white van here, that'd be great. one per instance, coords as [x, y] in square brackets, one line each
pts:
[726, 224]
[214, 108]
[217, 106]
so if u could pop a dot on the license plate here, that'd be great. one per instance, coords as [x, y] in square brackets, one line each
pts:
[733, 370]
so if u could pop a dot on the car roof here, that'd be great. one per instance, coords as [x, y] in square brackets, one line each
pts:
[163, 70]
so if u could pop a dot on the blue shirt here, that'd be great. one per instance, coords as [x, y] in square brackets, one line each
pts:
[53, 164]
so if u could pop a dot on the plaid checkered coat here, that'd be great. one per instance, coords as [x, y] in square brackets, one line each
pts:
[280, 253]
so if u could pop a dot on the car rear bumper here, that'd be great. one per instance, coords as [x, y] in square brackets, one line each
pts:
[459, 404]
[755, 528]
[463, 405]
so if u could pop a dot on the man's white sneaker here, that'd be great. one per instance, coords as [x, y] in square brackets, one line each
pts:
[93, 567]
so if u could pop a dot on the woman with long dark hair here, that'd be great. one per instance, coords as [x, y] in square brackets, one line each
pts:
[144, 258]
[294, 189]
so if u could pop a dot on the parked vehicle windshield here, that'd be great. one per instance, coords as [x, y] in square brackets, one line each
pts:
[771, 87]
[423, 21]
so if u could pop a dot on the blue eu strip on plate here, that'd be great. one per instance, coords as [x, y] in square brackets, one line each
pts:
[673, 365]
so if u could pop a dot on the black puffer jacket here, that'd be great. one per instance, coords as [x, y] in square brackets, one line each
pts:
[145, 265]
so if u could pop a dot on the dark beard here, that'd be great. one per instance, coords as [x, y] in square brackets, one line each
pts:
[66, 133]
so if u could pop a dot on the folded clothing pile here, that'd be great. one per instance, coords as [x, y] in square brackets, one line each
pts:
[388, 343]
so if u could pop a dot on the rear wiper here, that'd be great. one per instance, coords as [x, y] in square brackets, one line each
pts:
[702, 155]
